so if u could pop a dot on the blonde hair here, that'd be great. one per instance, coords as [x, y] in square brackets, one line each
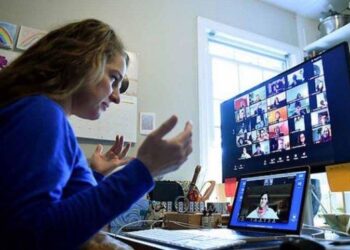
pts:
[61, 62]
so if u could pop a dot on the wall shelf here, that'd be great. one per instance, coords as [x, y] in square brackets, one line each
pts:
[340, 35]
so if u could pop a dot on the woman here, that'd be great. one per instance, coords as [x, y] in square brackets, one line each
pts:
[276, 102]
[49, 196]
[319, 84]
[240, 141]
[245, 154]
[263, 211]
[302, 139]
[326, 135]
[278, 132]
[259, 122]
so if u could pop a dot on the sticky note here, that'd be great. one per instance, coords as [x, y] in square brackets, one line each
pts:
[339, 177]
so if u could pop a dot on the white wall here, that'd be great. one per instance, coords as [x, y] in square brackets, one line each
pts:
[163, 34]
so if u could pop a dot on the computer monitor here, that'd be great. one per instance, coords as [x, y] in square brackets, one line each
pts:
[299, 117]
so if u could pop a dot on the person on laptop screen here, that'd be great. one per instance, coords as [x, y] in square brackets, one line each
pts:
[263, 211]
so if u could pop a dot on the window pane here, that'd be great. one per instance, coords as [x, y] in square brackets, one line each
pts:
[215, 165]
[220, 50]
[224, 78]
[267, 74]
[249, 76]
[217, 112]
[271, 63]
[247, 57]
[217, 137]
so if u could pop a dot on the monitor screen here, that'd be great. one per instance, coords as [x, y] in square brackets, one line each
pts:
[298, 117]
[271, 201]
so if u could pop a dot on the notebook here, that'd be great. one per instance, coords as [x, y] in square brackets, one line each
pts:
[267, 206]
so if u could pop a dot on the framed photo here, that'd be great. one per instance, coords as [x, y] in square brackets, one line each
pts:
[147, 123]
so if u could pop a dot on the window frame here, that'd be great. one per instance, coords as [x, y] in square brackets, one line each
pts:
[205, 100]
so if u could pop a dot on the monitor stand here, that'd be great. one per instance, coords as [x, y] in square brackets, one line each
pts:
[308, 228]
[308, 217]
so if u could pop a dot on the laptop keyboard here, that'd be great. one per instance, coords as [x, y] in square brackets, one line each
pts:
[191, 239]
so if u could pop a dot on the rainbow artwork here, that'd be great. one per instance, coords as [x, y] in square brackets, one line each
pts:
[28, 36]
[8, 33]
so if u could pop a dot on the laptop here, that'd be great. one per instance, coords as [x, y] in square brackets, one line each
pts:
[267, 206]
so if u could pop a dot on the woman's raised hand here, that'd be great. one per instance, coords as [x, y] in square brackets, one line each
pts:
[163, 156]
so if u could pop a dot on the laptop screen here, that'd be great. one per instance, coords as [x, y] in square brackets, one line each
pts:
[270, 201]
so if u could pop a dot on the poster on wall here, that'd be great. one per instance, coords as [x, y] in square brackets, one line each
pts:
[8, 32]
[6, 57]
[28, 36]
[118, 119]
[147, 123]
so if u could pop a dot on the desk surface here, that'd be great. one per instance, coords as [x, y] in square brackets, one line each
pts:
[269, 245]
[146, 245]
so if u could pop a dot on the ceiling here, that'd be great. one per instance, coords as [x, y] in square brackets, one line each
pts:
[310, 8]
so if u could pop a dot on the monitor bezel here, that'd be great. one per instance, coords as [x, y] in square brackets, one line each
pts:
[316, 167]
[272, 172]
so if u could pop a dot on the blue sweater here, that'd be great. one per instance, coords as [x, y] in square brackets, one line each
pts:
[49, 198]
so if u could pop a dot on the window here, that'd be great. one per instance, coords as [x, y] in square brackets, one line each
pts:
[230, 63]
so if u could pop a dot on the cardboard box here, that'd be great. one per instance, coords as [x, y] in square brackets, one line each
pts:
[173, 220]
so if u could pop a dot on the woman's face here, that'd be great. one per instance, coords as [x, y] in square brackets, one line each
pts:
[280, 144]
[94, 98]
[277, 130]
[277, 115]
[302, 138]
[263, 201]
[325, 132]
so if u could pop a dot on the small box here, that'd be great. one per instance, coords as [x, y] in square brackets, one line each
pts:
[174, 220]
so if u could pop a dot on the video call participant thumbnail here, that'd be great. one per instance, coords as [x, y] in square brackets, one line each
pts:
[297, 93]
[276, 101]
[320, 118]
[245, 154]
[298, 139]
[279, 129]
[299, 108]
[320, 84]
[276, 87]
[321, 100]
[318, 68]
[261, 148]
[296, 78]
[279, 144]
[297, 124]
[278, 115]
[267, 200]
[263, 211]
[322, 134]
[258, 108]
[259, 121]
[257, 95]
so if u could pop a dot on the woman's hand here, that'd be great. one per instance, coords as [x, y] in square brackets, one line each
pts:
[162, 156]
[112, 159]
